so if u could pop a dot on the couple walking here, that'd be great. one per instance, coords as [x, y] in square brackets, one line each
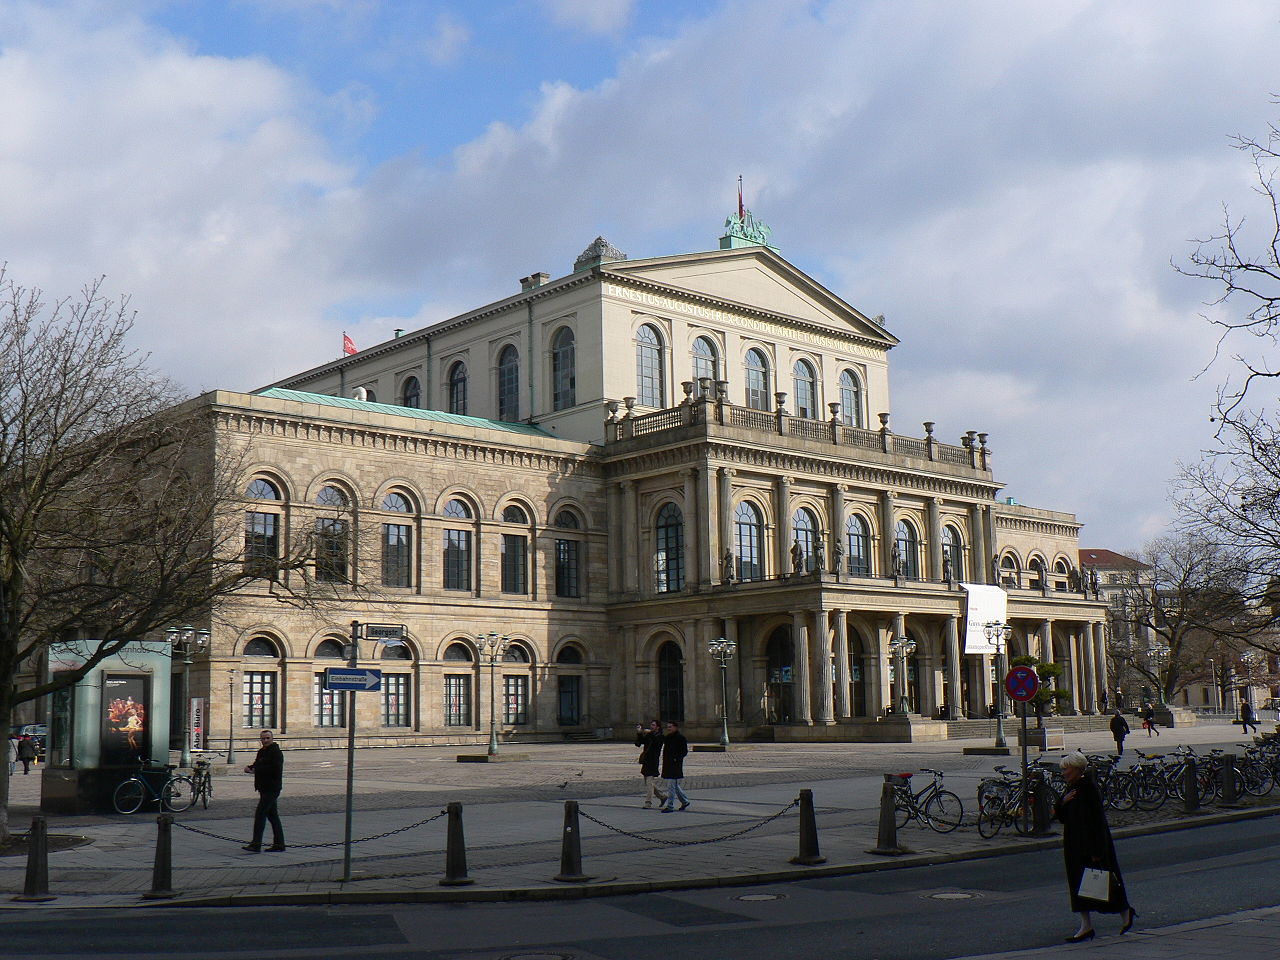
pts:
[672, 748]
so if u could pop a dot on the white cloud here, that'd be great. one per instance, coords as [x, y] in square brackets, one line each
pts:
[603, 17]
[447, 41]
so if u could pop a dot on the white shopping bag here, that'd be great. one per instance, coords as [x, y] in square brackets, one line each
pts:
[1095, 884]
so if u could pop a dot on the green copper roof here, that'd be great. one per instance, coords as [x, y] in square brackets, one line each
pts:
[436, 416]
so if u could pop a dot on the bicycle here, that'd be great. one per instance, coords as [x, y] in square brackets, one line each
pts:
[202, 782]
[1016, 807]
[175, 794]
[936, 808]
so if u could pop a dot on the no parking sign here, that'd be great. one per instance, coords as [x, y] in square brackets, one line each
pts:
[1021, 683]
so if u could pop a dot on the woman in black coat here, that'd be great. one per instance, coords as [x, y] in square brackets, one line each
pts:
[1086, 842]
[650, 743]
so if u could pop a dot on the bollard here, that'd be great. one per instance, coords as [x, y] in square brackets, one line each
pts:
[1227, 781]
[162, 872]
[887, 839]
[36, 887]
[455, 856]
[808, 855]
[1041, 814]
[571, 847]
[1190, 786]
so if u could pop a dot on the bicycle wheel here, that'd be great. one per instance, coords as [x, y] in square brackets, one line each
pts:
[206, 789]
[991, 819]
[944, 811]
[1022, 811]
[1150, 792]
[1257, 778]
[178, 794]
[991, 791]
[1122, 793]
[129, 796]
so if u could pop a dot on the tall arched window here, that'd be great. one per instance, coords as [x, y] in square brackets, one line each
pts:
[260, 489]
[331, 540]
[515, 552]
[757, 366]
[805, 383]
[457, 548]
[397, 544]
[804, 526]
[850, 399]
[906, 544]
[1037, 573]
[1061, 573]
[564, 372]
[671, 682]
[509, 384]
[706, 360]
[262, 532]
[569, 556]
[669, 556]
[1009, 572]
[858, 545]
[650, 386]
[411, 393]
[953, 550]
[748, 530]
[458, 388]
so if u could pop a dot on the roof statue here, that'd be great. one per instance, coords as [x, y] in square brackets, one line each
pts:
[598, 251]
[742, 229]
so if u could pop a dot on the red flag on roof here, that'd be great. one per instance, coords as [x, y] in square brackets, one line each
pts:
[742, 210]
[348, 345]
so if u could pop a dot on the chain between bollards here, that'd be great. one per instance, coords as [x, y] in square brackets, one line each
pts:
[162, 872]
[571, 847]
[36, 887]
[455, 857]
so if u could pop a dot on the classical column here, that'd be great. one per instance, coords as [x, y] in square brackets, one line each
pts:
[980, 684]
[837, 521]
[1089, 684]
[800, 660]
[613, 506]
[876, 669]
[989, 531]
[981, 556]
[953, 708]
[820, 633]
[782, 511]
[933, 549]
[840, 627]
[901, 670]
[1100, 655]
[692, 527]
[708, 528]
[629, 547]
[886, 533]
[1044, 640]
[725, 505]
[1071, 673]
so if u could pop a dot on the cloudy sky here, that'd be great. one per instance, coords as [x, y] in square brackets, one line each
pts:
[1007, 182]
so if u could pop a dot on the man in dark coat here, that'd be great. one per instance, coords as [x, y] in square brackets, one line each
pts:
[650, 743]
[26, 753]
[1119, 730]
[674, 749]
[268, 779]
[1247, 717]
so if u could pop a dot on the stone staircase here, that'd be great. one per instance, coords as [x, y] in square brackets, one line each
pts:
[977, 729]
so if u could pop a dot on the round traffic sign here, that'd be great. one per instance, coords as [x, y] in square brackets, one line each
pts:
[1021, 683]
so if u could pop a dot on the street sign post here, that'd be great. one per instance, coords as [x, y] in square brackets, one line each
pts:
[384, 632]
[352, 678]
[1022, 683]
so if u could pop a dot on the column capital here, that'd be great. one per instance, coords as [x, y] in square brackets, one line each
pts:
[729, 472]
[840, 487]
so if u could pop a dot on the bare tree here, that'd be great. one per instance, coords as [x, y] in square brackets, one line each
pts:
[119, 514]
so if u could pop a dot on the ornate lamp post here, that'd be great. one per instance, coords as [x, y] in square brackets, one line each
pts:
[999, 634]
[231, 716]
[723, 650]
[493, 646]
[902, 647]
[185, 641]
[1159, 656]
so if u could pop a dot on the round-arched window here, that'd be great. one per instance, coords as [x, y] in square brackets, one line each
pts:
[516, 653]
[261, 647]
[398, 651]
[331, 496]
[457, 509]
[649, 379]
[806, 389]
[330, 649]
[514, 514]
[411, 393]
[458, 388]
[563, 370]
[569, 654]
[396, 503]
[706, 359]
[669, 555]
[509, 384]
[458, 652]
[804, 527]
[260, 489]
[850, 399]
[757, 369]
[568, 520]
[953, 550]
[906, 544]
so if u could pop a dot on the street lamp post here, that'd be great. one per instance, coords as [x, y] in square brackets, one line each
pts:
[902, 647]
[493, 646]
[723, 651]
[999, 634]
[185, 640]
[231, 716]
[1213, 685]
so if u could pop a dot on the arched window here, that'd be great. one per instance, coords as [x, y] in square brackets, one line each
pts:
[1037, 573]
[330, 649]
[411, 393]
[858, 545]
[515, 653]
[906, 543]
[258, 686]
[396, 503]
[1061, 575]
[260, 489]
[669, 555]
[261, 647]
[331, 496]
[458, 653]
[568, 556]
[509, 384]
[513, 513]
[850, 399]
[748, 531]
[457, 548]
[953, 550]
[706, 360]
[397, 544]
[569, 654]
[515, 552]
[758, 397]
[332, 539]
[567, 519]
[370, 396]
[1009, 574]
[564, 374]
[804, 527]
[805, 383]
[671, 682]
[396, 651]
[458, 388]
[650, 383]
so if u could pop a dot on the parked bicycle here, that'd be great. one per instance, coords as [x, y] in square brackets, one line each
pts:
[175, 793]
[202, 782]
[936, 808]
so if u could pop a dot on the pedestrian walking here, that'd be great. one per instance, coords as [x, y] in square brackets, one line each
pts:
[649, 740]
[13, 753]
[26, 753]
[1149, 719]
[1119, 730]
[674, 749]
[1247, 717]
[1087, 844]
[268, 779]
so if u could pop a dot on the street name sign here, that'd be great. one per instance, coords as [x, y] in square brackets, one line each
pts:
[352, 678]
[1021, 683]
[384, 632]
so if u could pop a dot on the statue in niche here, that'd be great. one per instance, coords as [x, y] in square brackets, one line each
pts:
[995, 570]
[1093, 580]
[948, 574]
[797, 557]
[837, 557]
[726, 567]
[820, 555]
[896, 562]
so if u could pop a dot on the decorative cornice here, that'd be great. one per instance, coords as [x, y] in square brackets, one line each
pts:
[1058, 528]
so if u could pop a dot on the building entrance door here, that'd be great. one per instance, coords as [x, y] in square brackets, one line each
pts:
[671, 682]
[779, 688]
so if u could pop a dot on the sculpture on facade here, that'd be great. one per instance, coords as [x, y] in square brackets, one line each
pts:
[1093, 580]
[726, 567]
[820, 554]
[947, 572]
[895, 561]
[797, 557]
[837, 557]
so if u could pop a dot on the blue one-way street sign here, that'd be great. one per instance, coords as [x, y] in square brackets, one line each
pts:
[352, 678]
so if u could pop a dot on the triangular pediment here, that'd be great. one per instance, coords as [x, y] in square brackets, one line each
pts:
[761, 278]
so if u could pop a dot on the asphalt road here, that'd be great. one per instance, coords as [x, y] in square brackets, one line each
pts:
[946, 911]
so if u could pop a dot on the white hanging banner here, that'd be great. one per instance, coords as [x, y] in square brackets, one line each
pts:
[986, 603]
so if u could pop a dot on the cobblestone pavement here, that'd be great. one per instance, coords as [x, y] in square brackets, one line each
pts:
[513, 816]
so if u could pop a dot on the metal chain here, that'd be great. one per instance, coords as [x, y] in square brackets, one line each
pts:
[312, 846]
[689, 843]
